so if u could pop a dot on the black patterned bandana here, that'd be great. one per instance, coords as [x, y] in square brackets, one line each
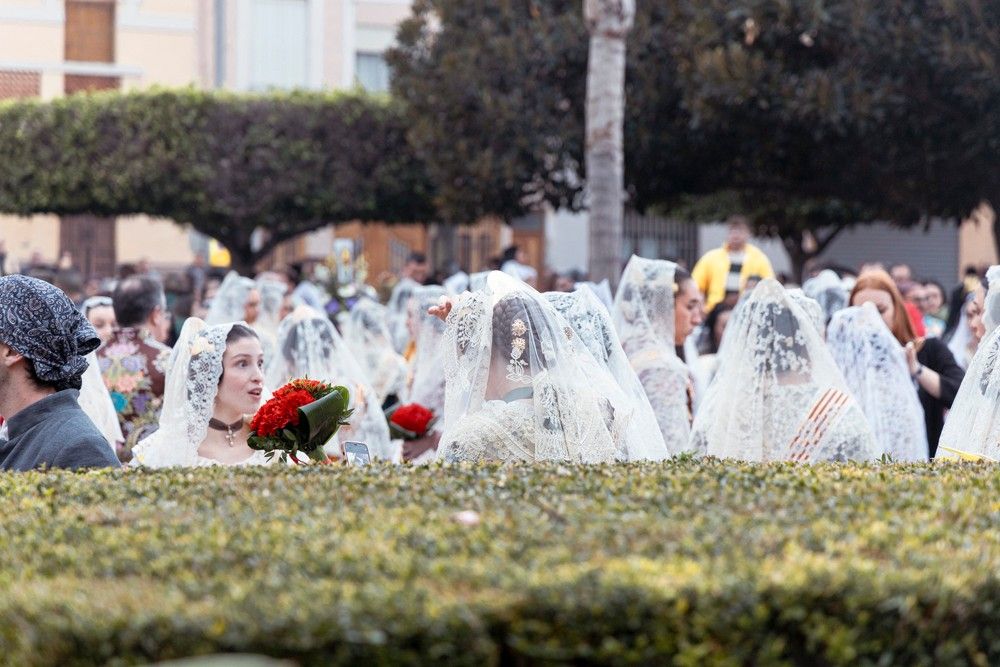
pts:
[40, 322]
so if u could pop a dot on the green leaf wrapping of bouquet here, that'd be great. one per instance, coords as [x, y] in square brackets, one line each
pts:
[320, 420]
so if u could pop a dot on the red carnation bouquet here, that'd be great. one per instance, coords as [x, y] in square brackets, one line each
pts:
[410, 421]
[301, 417]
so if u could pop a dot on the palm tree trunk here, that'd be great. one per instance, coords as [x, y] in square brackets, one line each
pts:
[608, 22]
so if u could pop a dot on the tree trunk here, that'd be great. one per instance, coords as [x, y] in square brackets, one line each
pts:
[243, 261]
[608, 22]
[799, 254]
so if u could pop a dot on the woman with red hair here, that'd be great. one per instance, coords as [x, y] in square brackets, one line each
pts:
[932, 365]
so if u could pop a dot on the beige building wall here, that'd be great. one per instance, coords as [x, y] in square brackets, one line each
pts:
[25, 236]
[162, 241]
[976, 245]
[175, 43]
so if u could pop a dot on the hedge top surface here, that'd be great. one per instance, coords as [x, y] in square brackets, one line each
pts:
[716, 561]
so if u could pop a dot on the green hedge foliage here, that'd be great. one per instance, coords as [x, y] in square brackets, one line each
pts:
[226, 163]
[685, 562]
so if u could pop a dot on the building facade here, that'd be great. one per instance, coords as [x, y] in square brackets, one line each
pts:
[50, 48]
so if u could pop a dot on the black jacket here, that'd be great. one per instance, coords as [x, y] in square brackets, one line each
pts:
[936, 356]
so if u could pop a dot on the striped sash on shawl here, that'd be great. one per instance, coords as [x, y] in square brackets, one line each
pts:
[824, 413]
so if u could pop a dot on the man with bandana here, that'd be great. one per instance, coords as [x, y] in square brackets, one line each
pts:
[43, 342]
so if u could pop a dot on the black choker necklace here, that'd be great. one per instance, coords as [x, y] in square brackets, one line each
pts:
[219, 425]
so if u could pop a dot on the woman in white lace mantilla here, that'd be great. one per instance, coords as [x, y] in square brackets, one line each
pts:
[874, 366]
[367, 336]
[590, 319]
[256, 303]
[778, 395]
[425, 383]
[829, 291]
[517, 384]
[658, 306]
[310, 347]
[398, 308]
[214, 385]
[973, 424]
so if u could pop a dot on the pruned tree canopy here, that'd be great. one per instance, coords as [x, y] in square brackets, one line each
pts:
[227, 164]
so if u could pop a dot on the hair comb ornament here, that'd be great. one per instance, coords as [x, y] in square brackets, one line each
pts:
[517, 365]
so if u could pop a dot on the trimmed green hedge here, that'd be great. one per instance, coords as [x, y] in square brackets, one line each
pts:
[684, 562]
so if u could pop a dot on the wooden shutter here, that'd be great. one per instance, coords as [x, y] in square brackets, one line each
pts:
[91, 240]
[90, 37]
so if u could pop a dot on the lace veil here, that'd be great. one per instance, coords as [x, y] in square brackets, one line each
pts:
[192, 382]
[310, 347]
[811, 307]
[644, 317]
[973, 423]
[828, 290]
[603, 292]
[229, 302]
[427, 371]
[477, 281]
[367, 336]
[874, 366]
[778, 394]
[592, 324]
[399, 311]
[960, 338]
[991, 305]
[229, 305]
[96, 402]
[519, 385]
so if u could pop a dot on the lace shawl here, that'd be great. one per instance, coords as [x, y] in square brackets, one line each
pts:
[875, 369]
[644, 317]
[517, 384]
[778, 395]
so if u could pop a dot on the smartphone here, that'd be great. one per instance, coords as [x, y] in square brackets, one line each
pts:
[357, 454]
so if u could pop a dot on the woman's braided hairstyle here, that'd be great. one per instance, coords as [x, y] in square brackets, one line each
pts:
[508, 310]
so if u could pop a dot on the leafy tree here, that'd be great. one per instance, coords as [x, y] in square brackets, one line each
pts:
[810, 115]
[226, 164]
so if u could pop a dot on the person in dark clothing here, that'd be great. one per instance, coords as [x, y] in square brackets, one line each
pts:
[932, 365]
[43, 343]
[970, 282]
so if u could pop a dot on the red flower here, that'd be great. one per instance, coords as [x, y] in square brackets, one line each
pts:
[281, 411]
[413, 417]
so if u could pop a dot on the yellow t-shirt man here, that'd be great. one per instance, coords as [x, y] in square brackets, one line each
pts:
[721, 270]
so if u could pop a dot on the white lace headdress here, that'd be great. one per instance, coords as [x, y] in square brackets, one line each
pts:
[272, 295]
[874, 366]
[399, 312]
[960, 339]
[520, 385]
[477, 281]
[602, 291]
[644, 317]
[591, 321]
[427, 369]
[828, 290]
[811, 308]
[229, 302]
[192, 383]
[991, 304]
[367, 336]
[778, 395]
[310, 347]
[95, 400]
[457, 283]
[973, 423]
